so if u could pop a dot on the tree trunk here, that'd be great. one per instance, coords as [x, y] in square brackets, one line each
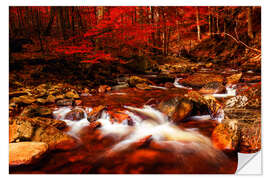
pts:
[52, 15]
[250, 24]
[209, 21]
[198, 24]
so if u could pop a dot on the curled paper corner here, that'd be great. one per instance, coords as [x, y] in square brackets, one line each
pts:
[249, 164]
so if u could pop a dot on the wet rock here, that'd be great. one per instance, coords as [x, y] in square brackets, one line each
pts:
[234, 79]
[176, 108]
[51, 99]
[119, 116]
[72, 95]
[134, 80]
[75, 115]
[183, 109]
[212, 88]
[206, 104]
[104, 88]
[225, 137]
[168, 107]
[95, 113]
[41, 101]
[95, 124]
[25, 153]
[241, 127]
[23, 100]
[51, 122]
[20, 130]
[208, 65]
[240, 131]
[199, 80]
[35, 110]
[59, 96]
[143, 86]
[64, 102]
[29, 129]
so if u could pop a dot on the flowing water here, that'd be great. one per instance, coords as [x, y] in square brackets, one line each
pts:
[151, 144]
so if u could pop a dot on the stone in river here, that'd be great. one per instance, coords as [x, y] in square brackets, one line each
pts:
[104, 88]
[72, 95]
[176, 108]
[183, 109]
[198, 80]
[75, 115]
[31, 129]
[233, 79]
[64, 102]
[35, 110]
[212, 88]
[134, 80]
[24, 153]
[95, 113]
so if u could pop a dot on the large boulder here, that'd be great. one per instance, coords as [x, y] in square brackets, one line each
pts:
[25, 153]
[177, 109]
[35, 110]
[199, 80]
[241, 128]
[29, 129]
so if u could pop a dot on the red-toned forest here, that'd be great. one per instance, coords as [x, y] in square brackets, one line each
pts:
[133, 89]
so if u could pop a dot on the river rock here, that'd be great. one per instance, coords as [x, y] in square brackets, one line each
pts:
[29, 129]
[168, 107]
[183, 109]
[176, 108]
[72, 95]
[41, 101]
[199, 80]
[225, 137]
[212, 88]
[208, 65]
[143, 86]
[233, 79]
[241, 128]
[23, 100]
[134, 80]
[95, 113]
[104, 88]
[35, 110]
[75, 115]
[25, 153]
[64, 102]
[51, 122]
[51, 99]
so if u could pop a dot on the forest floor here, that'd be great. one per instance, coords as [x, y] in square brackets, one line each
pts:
[222, 84]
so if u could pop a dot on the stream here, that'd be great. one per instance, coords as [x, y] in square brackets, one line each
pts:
[135, 137]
